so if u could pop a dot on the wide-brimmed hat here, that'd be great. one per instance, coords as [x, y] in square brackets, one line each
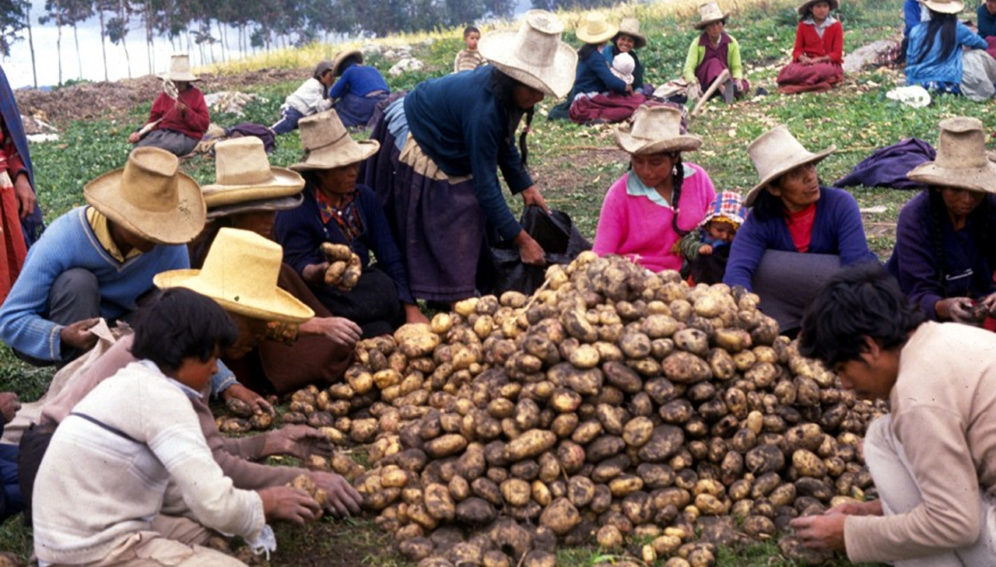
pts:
[728, 205]
[243, 173]
[775, 153]
[534, 55]
[327, 144]
[150, 197]
[631, 27]
[595, 28]
[944, 6]
[342, 57]
[179, 69]
[804, 7]
[961, 158]
[240, 273]
[709, 13]
[655, 129]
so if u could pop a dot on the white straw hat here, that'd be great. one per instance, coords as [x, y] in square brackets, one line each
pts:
[709, 13]
[655, 129]
[961, 158]
[944, 6]
[534, 55]
[631, 27]
[595, 29]
[327, 144]
[179, 69]
[775, 153]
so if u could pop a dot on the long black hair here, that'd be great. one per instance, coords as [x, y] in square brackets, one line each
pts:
[943, 24]
[977, 223]
[503, 87]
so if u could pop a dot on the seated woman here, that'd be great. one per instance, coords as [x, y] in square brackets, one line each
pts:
[247, 194]
[986, 16]
[338, 210]
[593, 75]
[609, 107]
[357, 90]
[935, 59]
[178, 120]
[662, 198]
[798, 232]
[945, 253]
[627, 40]
[713, 52]
[311, 97]
[818, 55]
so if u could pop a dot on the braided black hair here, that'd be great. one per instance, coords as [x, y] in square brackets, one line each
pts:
[938, 213]
[503, 87]
[677, 179]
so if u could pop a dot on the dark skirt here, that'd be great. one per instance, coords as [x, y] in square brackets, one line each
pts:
[372, 304]
[356, 110]
[798, 78]
[170, 140]
[439, 226]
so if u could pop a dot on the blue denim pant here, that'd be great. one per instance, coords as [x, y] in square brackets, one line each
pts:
[288, 121]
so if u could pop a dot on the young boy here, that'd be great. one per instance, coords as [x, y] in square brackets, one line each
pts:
[707, 248]
[136, 433]
[470, 58]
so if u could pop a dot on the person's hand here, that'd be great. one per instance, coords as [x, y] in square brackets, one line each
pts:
[694, 91]
[315, 273]
[532, 196]
[134, 137]
[822, 533]
[869, 508]
[414, 315]
[343, 498]
[9, 404]
[989, 302]
[740, 85]
[629, 89]
[805, 59]
[77, 335]
[180, 106]
[957, 309]
[26, 199]
[339, 330]
[299, 441]
[256, 402]
[290, 504]
[705, 250]
[530, 252]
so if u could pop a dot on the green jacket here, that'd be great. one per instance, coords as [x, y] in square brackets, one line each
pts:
[696, 53]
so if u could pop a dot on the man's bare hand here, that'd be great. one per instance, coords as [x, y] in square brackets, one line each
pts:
[289, 504]
[77, 335]
[343, 498]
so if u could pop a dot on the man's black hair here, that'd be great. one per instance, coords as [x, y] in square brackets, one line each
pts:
[860, 301]
[181, 324]
[469, 30]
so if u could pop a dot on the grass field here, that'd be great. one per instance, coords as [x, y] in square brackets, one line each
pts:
[574, 165]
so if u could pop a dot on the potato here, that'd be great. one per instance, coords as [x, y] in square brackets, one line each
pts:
[609, 537]
[764, 458]
[416, 339]
[685, 368]
[622, 377]
[438, 502]
[475, 511]
[634, 344]
[664, 442]
[445, 445]
[532, 443]
[560, 516]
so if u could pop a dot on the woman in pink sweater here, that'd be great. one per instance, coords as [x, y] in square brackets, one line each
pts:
[639, 218]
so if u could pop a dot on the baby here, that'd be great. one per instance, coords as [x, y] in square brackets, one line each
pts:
[707, 248]
[623, 66]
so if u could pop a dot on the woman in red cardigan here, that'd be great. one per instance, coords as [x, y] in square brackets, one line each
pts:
[818, 53]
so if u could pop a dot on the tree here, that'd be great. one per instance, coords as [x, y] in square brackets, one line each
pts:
[74, 12]
[101, 6]
[117, 30]
[13, 15]
[54, 13]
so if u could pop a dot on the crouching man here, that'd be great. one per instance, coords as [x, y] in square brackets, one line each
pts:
[933, 459]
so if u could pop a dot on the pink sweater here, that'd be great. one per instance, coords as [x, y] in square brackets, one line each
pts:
[641, 230]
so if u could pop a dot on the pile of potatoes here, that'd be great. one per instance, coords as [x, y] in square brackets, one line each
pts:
[613, 407]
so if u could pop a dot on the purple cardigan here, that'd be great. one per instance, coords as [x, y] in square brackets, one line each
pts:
[837, 230]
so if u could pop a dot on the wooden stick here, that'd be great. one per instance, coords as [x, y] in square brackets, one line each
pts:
[716, 83]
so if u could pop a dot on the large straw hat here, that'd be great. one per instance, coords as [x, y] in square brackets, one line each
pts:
[804, 7]
[709, 13]
[944, 6]
[327, 144]
[631, 27]
[595, 29]
[775, 153]
[240, 273]
[534, 55]
[961, 158]
[341, 58]
[150, 197]
[179, 69]
[243, 173]
[655, 129]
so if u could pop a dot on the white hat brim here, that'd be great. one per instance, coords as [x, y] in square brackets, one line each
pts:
[555, 79]
[337, 155]
[981, 179]
[782, 169]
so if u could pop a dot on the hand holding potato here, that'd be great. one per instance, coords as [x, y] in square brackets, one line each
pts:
[344, 266]
[824, 532]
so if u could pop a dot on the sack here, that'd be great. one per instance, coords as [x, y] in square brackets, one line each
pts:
[252, 129]
[558, 236]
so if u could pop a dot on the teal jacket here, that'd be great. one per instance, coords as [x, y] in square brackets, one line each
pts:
[696, 53]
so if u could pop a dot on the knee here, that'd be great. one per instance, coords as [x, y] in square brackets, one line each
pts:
[76, 283]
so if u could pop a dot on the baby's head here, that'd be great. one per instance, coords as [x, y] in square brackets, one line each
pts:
[726, 214]
[622, 67]
[470, 37]
[722, 228]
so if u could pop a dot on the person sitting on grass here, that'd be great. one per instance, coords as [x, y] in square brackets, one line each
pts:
[930, 457]
[357, 90]
[712, 52]
[818, 55]
[707, 248]
[627, 40]
[135, 435]
[469, 58]
[946, 56]
[311, 97]
[179, 116]
[593, 74]
[986, 15]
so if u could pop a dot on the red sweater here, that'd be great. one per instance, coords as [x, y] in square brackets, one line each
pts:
[809, 42]
[192, 122]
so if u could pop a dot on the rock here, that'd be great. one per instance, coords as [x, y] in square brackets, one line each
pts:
[407, 64]
[876, 52]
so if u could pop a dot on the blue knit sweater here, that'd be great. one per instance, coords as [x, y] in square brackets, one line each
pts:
[932, 68]
[594, 75]
[70, 243]
[837, 230]
[359, 80]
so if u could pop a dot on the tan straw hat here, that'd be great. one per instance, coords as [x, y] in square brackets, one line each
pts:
[961, 158]
[775, 153]
[150, 197]
[327, 144]
[240, 273]
[944, 6]
[709, 13]
[341, 58]
[631, 27]
[804, 7]
[243, 173]
[595, 29]
[179, 69]
[655, 129]
[534, 55]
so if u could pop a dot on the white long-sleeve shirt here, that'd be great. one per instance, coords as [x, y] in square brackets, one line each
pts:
[308, 99]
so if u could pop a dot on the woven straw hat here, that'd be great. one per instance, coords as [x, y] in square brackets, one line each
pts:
[327, 144]
[595, 29]
[709, 13]
[243, 173]
[775, 153]
[179, 69]
[341, 58]
[631, 27]
[961, 158]
[534, 55]
[944, 6]
[150, 197]
[655, 129]
[805, 6]
[240, 273]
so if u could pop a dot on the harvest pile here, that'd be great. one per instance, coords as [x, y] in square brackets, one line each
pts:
[614, 407]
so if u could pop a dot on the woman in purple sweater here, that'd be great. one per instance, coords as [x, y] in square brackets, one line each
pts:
[797, 234]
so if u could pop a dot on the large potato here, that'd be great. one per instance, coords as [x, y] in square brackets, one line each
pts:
[530, 444]
[685, 368]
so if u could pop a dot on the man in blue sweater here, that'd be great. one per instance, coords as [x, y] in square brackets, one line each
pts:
[96, 261]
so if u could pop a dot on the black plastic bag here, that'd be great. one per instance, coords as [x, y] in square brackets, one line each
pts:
[558, 236]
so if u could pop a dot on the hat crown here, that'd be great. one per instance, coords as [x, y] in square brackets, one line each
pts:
[241, 161]
[538, 38]
[630, 26]
[242, 267]
[962, 144]
[776, 147]
[710, 12]
[321, 130]
[656, 123]
[150, 181]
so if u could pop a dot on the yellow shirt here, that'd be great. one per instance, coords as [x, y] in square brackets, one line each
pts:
[98, 224]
